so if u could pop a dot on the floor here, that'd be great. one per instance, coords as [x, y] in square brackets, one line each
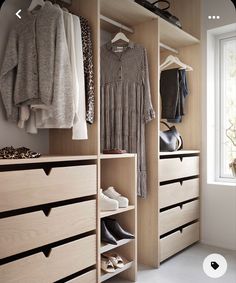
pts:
[186, 267]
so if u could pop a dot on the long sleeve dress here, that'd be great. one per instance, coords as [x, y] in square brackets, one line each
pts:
[126, 104]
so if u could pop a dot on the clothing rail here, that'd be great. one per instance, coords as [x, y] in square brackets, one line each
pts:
[164, 46]
[117, 24]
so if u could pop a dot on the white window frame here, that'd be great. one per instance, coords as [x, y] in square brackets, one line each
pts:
[219, 107]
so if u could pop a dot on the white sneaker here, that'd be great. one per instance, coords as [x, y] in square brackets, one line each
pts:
[113, 194]
[107, 203]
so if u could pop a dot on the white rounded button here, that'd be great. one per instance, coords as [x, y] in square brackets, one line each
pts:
[215, 265]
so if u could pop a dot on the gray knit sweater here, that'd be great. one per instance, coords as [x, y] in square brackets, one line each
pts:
[36, 67]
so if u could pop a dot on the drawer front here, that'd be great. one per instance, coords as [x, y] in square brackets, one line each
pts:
[27, 188]
[178, 216]
[89, 277]
[177, 241]
[178, 192]
[176, 168]
[61, 262]
[24, 232]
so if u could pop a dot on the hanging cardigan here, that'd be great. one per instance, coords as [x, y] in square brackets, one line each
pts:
[24, 51]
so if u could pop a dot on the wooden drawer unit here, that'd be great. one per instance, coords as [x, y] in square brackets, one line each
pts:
[24, 232]
[178, 216]
[89, 277]
[26, 188]
[178, 192]
[178, 168]
[177, 241]
[62, 261]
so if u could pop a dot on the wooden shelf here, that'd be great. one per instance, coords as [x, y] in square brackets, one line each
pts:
[107, 247]
[118, 211]
[130, 14]
[47, 158]
[106, 276]
[127, 12]
[175, 37]
[114, 156]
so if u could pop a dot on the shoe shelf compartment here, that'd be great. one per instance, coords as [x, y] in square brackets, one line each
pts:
[106, 276]
[118, 211]
[107, 247]
[121, 174]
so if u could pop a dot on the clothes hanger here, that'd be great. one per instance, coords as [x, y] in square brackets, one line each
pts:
[35, 3]
[120, 36]
[174, 60]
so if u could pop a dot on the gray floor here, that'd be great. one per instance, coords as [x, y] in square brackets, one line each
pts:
[186, 267]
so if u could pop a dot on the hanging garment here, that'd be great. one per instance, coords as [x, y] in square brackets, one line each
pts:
[80, 126]
[38, 37]
[126, 104]
[88, 69]
[173, 89]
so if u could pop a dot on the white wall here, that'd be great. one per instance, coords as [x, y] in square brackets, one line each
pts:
[9, 133]
[218, 201]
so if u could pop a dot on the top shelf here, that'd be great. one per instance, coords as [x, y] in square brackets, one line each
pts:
[130, 14]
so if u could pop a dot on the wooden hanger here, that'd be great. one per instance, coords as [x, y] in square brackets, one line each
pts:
[170, 60]
[35, 3]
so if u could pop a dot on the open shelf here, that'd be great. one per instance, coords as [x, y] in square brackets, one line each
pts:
[107, 247]
[112, 156]
[175, 37]
[120, 210]
[130, 14]
[106, 276]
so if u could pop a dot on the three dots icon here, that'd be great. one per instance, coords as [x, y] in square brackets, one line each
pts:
[213, 17]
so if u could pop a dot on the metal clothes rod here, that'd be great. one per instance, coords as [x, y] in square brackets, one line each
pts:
[168, 48]
[117, 24]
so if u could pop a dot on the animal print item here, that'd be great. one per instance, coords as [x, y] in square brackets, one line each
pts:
[88, 69]
[17, 153]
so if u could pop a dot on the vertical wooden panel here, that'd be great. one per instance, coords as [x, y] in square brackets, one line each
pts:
[147, 35]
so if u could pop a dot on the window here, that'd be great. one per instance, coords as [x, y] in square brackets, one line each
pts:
[225, 105]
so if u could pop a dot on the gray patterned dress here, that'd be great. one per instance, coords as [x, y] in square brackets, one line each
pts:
[126, 104]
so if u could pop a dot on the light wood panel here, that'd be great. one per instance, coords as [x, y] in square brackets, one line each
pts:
[177, 168]
[26, 188]
[178, 192]
[189, 13]
[114, 212]
[177, 241]
[31, 230]
[148, 208]
[178, 216]
[180, 153]
[61, 262]
[89, 277]
[47, 159]
[61, 140]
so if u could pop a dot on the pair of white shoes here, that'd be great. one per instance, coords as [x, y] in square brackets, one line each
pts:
[110, 199]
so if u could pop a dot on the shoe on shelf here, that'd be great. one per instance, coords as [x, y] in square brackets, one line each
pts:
[106, 236]
[107, 265]
[116, 230]
[107, 203]
[116, 259]
[113, 194]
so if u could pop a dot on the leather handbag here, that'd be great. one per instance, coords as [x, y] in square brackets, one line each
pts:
[170, 140]
[163, 13]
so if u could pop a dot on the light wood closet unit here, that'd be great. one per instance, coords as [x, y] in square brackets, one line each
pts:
[161, 39]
